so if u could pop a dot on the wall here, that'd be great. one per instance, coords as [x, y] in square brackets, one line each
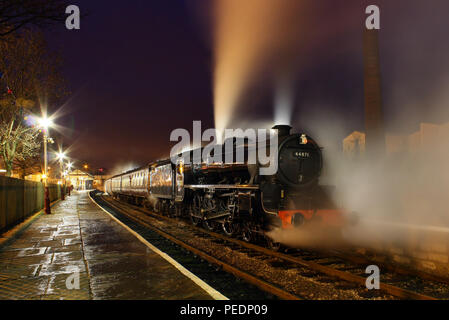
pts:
[424, 250]
[20, 199]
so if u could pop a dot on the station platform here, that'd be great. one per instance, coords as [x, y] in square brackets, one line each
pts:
[80, 252]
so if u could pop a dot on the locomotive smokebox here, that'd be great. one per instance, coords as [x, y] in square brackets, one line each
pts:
[283, 130]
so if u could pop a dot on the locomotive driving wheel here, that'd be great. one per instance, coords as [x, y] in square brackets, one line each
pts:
[209, 206]
[178, 211]
[208, 225]
[247, 233]
[196, 210]
[165, 208]
[157, 206]
[273, 245]
[229, 227]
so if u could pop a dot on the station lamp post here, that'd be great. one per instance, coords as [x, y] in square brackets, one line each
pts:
[61, 156]
[45, 123]
[69, 169]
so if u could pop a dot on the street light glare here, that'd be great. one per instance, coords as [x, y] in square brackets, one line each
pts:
[45, 122]
[61, 155]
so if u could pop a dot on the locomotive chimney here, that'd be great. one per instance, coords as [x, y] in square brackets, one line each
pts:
[283, 130]
[374, 122]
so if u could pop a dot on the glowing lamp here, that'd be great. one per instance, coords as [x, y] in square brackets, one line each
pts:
[45, 122]
[61, 155]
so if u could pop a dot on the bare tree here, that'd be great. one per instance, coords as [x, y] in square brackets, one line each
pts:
[15, 14]
[29, 76]
[18, 143]
[27, 166]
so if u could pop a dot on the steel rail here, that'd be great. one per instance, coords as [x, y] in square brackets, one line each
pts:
[387, 288]
[263, 285]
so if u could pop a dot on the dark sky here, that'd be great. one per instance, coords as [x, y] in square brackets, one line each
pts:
[138, 69]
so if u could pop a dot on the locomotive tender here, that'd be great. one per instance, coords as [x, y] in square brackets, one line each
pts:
[232, 196]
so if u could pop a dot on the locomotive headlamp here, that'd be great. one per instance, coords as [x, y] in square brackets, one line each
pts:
[303, 139]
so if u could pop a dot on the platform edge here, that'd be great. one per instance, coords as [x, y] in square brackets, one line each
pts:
[203, 285]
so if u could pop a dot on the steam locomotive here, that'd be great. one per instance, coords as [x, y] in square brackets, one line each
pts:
[233, 196]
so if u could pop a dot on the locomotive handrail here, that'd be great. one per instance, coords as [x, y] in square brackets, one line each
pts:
[222, 186]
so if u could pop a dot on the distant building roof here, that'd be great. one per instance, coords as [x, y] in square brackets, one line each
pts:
[79, 173]
[429, 135]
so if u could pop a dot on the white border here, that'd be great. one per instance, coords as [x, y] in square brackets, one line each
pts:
[203, 285]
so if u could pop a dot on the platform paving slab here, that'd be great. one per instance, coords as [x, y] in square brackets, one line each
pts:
[80, 240]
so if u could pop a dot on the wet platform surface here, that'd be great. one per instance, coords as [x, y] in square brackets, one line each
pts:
[81, 242]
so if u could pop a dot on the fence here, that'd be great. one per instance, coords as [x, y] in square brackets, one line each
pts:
[20, 199]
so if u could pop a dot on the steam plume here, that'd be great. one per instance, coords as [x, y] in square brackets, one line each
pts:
[251, 36]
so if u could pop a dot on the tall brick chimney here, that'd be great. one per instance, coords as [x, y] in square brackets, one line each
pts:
[374, 119]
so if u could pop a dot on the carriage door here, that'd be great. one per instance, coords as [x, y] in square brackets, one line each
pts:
[179, 181]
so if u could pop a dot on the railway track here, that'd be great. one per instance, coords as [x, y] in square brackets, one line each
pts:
[333, 268]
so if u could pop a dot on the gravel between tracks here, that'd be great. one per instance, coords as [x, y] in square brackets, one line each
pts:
[303, 282]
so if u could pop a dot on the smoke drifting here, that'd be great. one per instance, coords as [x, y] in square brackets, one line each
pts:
[123, 166]
[283, 103]
[399, 199]
[401, 193]
[251, 37]
[405, 193]
[308, 236]
[320, 43]
[268, 45]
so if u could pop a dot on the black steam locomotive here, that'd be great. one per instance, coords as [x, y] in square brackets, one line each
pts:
[234, 196]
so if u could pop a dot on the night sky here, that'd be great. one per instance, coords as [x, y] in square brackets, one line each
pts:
[139, 69]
